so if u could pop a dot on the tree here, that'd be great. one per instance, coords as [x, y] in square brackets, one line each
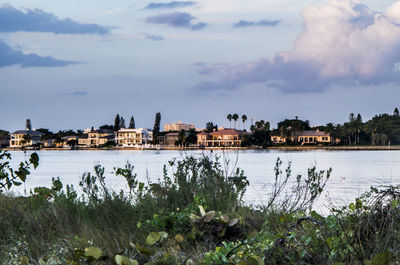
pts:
[244, 119]
[181, 138]
[122, 123]
[156, 128]
[26, 139]
[106, 127]
[261, 134]
[28, 125]
[351, 117]
[116, 123]
[289, 127]
[396, 112]
[192, 137]
[210, 127]
[235, 117]
[229, 117]
[47, 134]
[132, 123]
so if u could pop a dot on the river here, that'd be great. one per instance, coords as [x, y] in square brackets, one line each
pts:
[353, 171]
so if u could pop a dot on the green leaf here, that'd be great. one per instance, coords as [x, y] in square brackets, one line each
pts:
[163, 235]
[395, 203]
[209, 216]
[380, 259]
[122, 260]
[202, 211]
[34, 159]
[233, 222]
[224, 219]
[93, 252]
[24, 260]
[153, 238]
[142, 249]
[179, 238]
[255, 260]
[222, 233]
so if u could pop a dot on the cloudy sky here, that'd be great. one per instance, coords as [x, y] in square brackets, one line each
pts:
[76, 63]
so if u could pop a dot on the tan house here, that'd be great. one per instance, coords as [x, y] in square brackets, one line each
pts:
[178, 126]
[84, 140]
[221, 138]
[96, 138]
[305, 137]
[277, 139]
[134, 137]
[16, 138]
[170, 139]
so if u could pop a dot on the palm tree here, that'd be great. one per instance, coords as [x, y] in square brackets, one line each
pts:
[229, 117]
[244, 119]
[235, 117]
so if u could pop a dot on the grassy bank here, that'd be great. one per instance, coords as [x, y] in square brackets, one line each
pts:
[194, 215]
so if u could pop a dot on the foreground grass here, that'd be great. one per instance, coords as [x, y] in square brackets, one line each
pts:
[196, 216]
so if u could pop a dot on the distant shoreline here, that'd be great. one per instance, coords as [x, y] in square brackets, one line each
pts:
[279, 148]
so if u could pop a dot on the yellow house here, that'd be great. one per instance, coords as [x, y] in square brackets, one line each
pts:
[221, 138]
[96, 138]
[311, 137]
[305, 137]
[16, 138]
[134, 137]
[277, 139]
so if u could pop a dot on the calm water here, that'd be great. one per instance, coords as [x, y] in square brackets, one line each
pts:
[353, 171]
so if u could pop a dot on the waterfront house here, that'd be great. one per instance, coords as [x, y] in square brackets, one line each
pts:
[178, 126]
[304, 137]
[17, 138]
[96, 137]
[134, 137]
[84, 140]
[68, 141]
[221, 138]
[312, 137]
[169, 139]
[276, 138]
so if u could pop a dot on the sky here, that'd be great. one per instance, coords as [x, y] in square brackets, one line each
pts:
[77, 63]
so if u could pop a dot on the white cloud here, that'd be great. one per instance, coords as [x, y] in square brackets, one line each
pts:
[343, 41]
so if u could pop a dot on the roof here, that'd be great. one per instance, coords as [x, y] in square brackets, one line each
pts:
[107, 137]
[227, 132]
[70, 136]
[102, 131]
[172, 134]
[311, 133]
[30, 132]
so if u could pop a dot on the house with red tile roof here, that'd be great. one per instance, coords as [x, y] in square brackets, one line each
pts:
[221, 138]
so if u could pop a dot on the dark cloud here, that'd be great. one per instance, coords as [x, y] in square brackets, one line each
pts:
[262, 23]
[152, 36]
[173, 4]
[13, 20]
[10, 56]
[287, 76]
[178, 20]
